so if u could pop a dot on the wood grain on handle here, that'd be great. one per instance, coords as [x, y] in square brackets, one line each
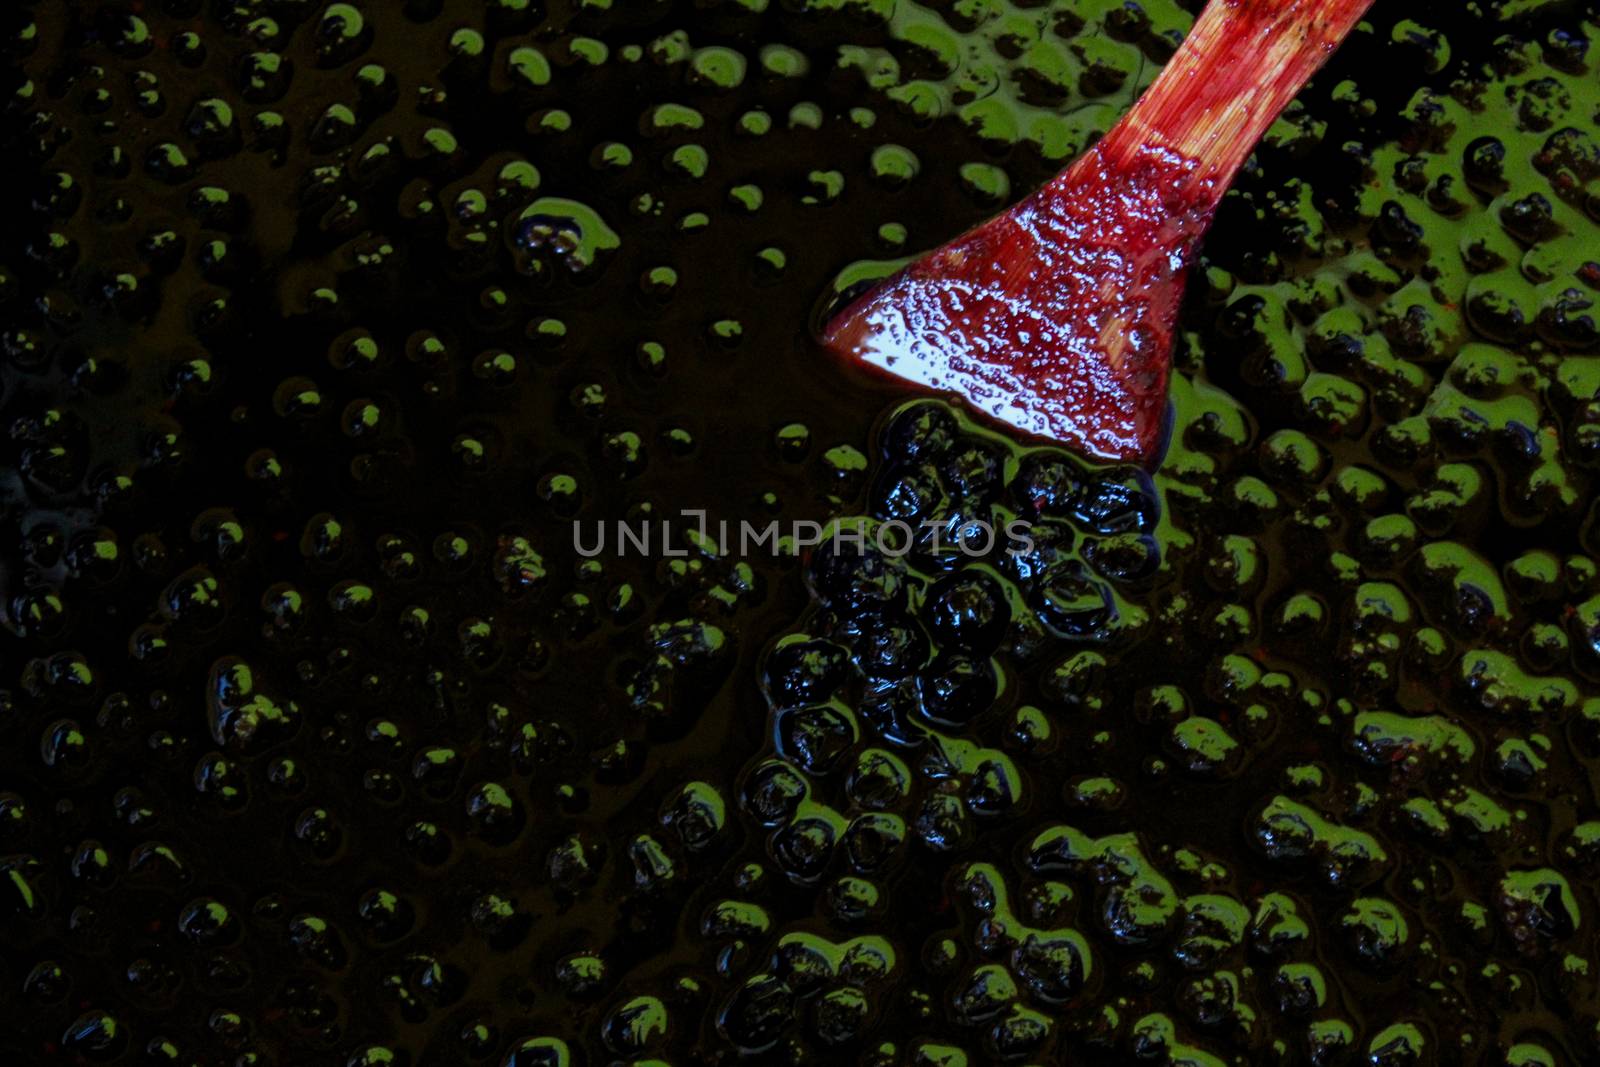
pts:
[1240, 65]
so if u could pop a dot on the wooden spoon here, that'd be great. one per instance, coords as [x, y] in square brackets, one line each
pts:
[1057, 316]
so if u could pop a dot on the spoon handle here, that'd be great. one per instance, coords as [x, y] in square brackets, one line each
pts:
[1239, 66]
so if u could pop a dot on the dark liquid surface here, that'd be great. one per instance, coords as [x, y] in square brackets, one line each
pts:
[324, 744]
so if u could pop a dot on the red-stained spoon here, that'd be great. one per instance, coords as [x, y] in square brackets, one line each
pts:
[1057, 316]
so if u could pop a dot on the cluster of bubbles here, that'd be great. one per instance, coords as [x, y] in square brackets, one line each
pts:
[323, 321]
[1371, 598]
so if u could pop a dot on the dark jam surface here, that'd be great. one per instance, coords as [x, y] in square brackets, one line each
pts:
[321, 743]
